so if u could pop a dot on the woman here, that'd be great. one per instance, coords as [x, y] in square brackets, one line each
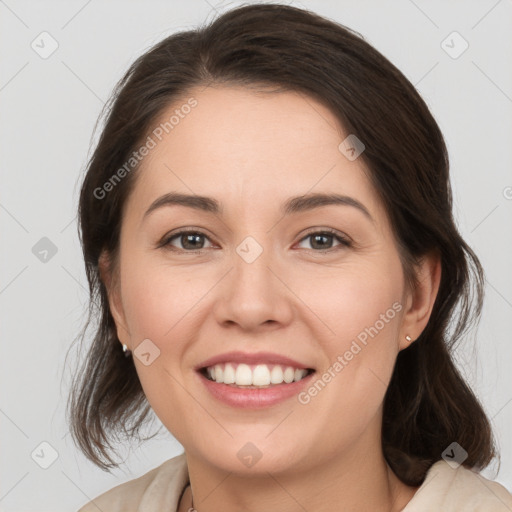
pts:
[266, 224]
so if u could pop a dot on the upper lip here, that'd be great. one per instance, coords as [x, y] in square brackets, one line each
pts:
[251, 358]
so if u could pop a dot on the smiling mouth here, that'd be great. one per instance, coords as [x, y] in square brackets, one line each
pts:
[259, 376]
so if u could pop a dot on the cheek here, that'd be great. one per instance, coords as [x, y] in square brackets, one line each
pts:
[353, 299]
[361, 311]
[157, 299]
[161, 304]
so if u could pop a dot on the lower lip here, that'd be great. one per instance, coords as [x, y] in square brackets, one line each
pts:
[254, 398]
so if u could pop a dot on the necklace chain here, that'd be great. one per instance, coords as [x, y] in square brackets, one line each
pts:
[192, 501]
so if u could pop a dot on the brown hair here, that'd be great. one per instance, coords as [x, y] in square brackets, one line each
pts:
[428, 405]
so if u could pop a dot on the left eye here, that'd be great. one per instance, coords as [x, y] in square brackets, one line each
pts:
[321, 238]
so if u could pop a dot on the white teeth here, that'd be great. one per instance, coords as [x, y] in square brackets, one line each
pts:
[229, 374]
[259, 375]
[289, 374]
[243, 375]
[297, 375]
[276, 375]
[219, 374]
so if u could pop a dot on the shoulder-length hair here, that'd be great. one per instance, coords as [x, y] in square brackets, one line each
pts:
[428, 405]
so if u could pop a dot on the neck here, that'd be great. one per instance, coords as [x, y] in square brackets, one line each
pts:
[360, 479]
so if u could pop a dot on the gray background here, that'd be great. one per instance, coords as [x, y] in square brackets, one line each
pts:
[49, 108]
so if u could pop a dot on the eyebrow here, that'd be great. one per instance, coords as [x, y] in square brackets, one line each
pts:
[292, 205]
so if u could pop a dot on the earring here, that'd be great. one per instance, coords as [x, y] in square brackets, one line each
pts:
[408, 338]
[127, 353]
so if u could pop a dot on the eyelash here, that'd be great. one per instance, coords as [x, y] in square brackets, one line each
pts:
[343, 242]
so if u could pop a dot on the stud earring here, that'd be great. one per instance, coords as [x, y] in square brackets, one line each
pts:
[408, 338]
[127, 353]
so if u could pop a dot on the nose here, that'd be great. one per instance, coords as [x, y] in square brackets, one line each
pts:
[254, 295]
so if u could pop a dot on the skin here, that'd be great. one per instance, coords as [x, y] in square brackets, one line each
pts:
[252, 151]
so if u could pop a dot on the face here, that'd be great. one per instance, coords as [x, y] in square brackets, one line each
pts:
[321, 284]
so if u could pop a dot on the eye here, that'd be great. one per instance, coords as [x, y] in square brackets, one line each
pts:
[188, 240]
[323, 240]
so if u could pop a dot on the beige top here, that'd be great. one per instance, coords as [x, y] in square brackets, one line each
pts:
[444, 489]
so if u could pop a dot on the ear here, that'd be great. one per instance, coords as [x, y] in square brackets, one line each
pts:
[111, 281]
[419, 302]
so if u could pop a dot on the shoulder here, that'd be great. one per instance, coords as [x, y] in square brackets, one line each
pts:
[450, 489]
[161, 487]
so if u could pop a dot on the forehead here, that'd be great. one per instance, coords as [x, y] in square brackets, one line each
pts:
[248, 147]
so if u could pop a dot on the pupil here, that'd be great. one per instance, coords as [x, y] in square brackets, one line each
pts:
[324, 237]
[191, 238]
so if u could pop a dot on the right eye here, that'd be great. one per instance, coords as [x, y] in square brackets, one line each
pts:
[190, 241]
